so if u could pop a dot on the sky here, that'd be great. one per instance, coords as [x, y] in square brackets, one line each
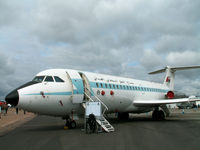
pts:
[125, 38]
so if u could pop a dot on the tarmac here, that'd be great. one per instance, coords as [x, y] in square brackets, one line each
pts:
[12, 119]
[178, 132]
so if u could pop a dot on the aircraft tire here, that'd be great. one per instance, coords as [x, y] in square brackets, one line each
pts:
[158, 115]
[72, 124]
[155, 115]
[123, 116]
[161, 115]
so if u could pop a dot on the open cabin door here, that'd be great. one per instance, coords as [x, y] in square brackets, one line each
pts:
[86, 85]
[77, 87]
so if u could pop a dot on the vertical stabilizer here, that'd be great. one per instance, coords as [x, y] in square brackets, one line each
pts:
[169, 78]
[170, 74]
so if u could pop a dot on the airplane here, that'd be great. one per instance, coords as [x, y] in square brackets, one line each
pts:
[64, 92]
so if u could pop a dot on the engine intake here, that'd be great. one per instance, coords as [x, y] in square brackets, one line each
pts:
[170, 94]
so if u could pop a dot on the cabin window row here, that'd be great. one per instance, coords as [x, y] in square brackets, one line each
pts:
[126, 87]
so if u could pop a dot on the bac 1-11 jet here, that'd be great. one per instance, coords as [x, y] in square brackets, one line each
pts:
[63, 93]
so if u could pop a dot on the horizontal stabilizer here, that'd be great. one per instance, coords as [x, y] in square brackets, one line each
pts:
[170, 74]
[163, 101]
[157, 71]
[174, 69]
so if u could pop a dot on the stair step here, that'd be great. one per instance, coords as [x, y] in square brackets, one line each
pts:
[102, 120]
[107, 126]
[105, 123]
[110, 128]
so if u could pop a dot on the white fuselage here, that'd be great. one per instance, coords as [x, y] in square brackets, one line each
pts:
[61, 98]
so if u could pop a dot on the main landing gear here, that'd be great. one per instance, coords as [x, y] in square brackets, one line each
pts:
[158, 115]
[123, 115]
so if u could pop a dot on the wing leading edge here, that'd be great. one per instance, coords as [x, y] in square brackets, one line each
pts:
[164, 101]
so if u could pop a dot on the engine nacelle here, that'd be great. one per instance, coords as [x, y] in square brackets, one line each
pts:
[170, 94]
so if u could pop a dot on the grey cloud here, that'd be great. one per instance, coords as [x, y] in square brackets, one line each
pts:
[5, 64]
[101, 36]
[151, 59]
[11, 12]
[5, 12]
[169, 25]
[5, 71]
[177, 43]
[183, 58]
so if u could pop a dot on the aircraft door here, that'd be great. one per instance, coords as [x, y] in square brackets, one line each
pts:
[86, 85]
[77, 87]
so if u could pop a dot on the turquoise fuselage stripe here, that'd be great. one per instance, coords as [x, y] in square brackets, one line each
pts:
[78, 83]
[124, 87]
[54, 93]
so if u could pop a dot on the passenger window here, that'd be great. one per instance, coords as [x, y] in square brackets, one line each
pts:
[117, 87]
[110, 86]
[113, 86]
[124, 87]
[101, 85]
[120, 86]
[49, 79]
[106, 85]
[57, 79]
[127, 87]
[97, 84]
[130, 87]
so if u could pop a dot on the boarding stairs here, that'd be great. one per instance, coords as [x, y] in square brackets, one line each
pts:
[101, 120]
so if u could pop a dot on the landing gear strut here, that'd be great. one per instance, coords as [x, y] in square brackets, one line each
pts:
[158, 115]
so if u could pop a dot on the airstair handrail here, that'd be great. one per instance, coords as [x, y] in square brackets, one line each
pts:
[89, 97]
[106, 108]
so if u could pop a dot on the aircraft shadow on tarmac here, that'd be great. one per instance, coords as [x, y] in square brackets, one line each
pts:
[58, 125]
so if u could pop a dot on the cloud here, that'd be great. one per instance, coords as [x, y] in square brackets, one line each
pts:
[177, 43]
[6, 70]
[109, 36]
[12, 12]
[185, 58]
[151, 59]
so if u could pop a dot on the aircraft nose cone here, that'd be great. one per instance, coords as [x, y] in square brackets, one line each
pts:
[12, 98]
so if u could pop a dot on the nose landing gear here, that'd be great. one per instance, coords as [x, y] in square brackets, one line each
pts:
[70, 123]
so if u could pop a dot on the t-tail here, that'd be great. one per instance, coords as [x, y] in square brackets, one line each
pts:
[170, 74]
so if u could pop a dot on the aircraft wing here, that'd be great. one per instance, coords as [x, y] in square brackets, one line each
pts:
[163, 101]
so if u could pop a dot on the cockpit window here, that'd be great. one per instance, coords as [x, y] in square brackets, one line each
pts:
[49, 79]
[57, 79]
[38, 78]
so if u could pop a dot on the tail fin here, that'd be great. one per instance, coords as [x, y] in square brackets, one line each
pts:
[170, 74]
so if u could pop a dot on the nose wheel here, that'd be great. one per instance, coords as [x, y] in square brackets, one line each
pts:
[70, 123]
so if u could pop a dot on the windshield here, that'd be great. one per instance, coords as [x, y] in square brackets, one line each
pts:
[38, 78]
